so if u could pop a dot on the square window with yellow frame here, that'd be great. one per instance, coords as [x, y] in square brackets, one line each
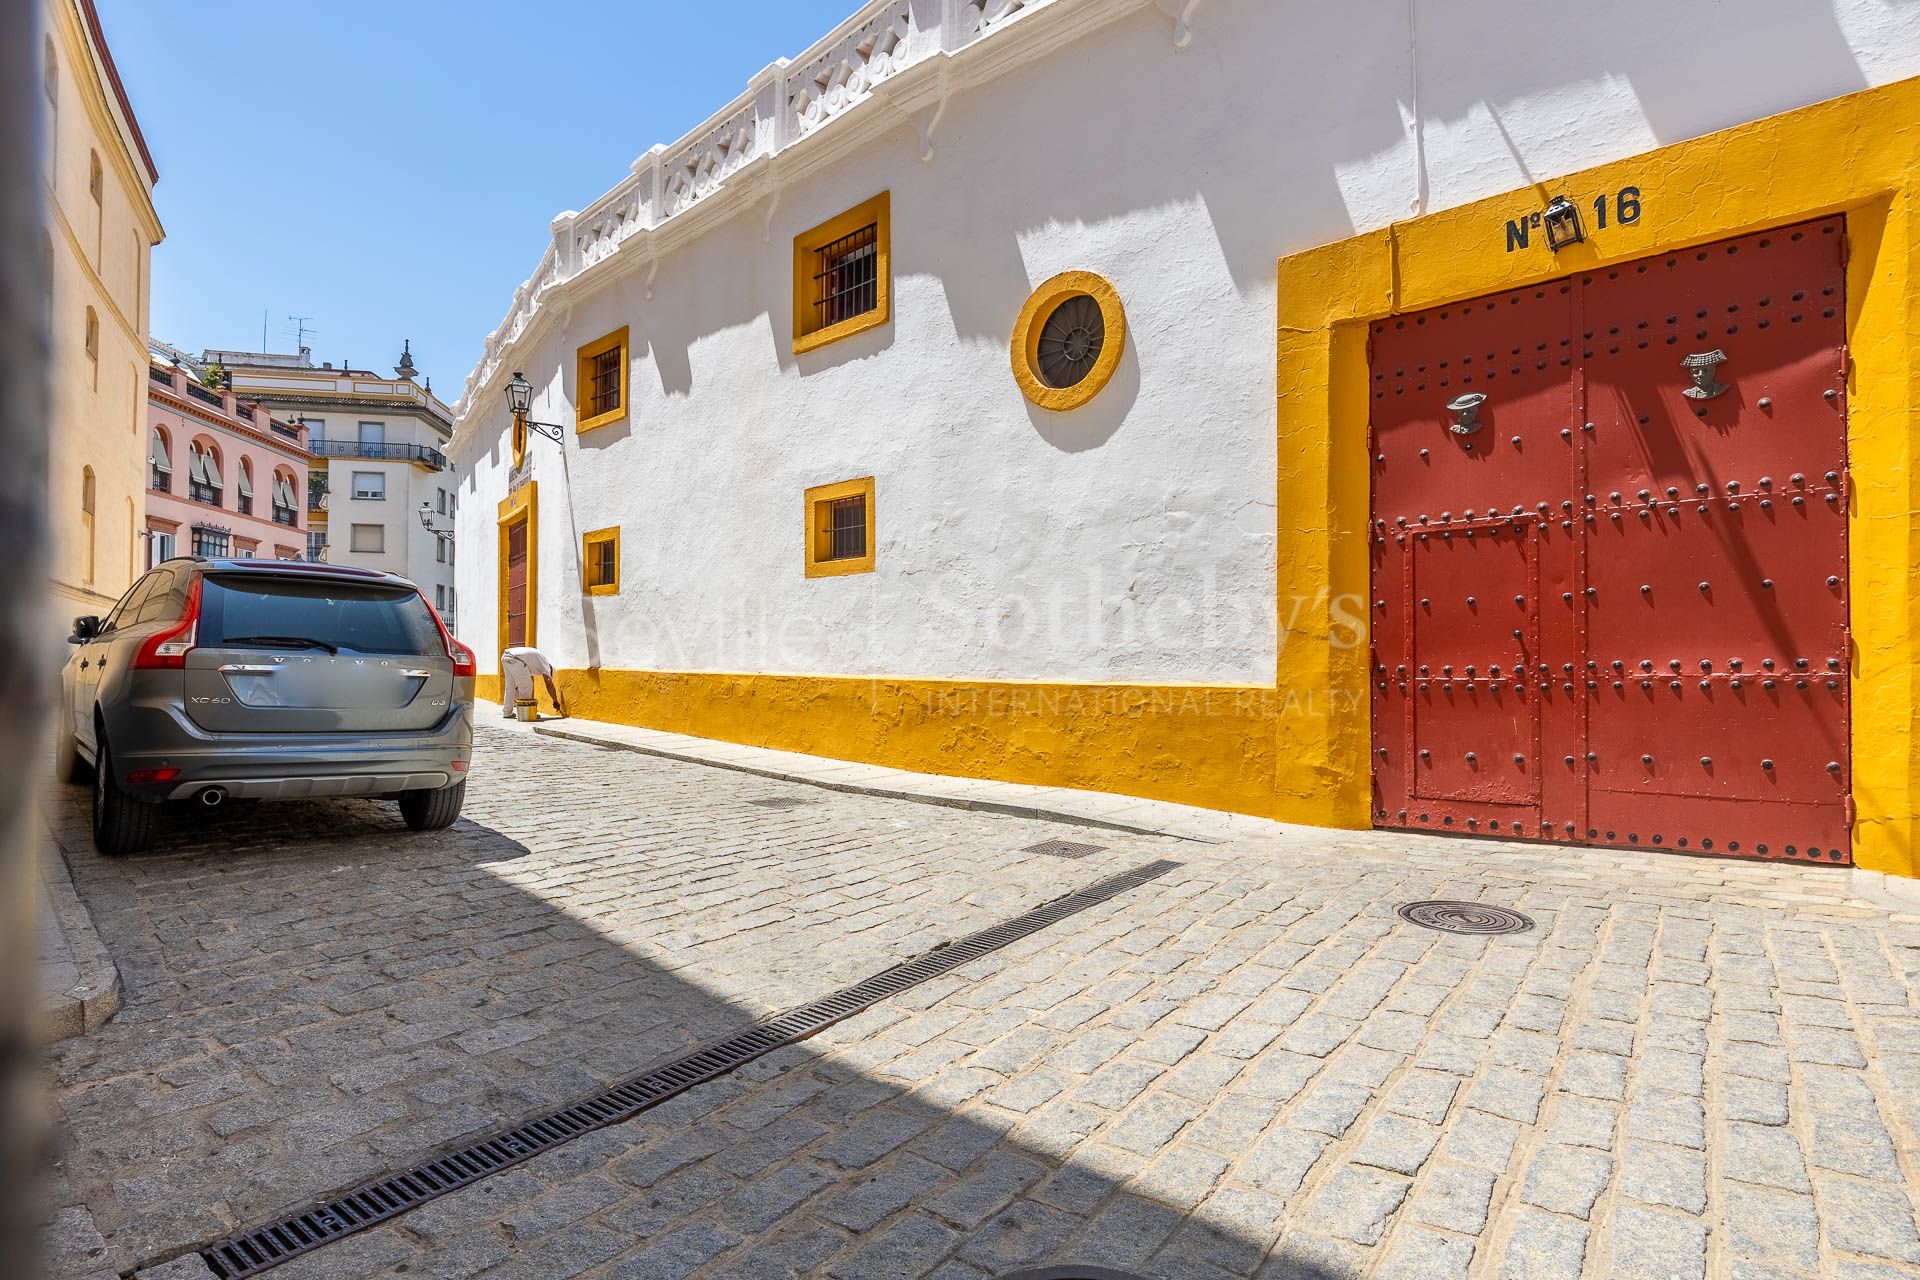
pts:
[840, 528]
[600, 561]
[843, 275]
[600, 381]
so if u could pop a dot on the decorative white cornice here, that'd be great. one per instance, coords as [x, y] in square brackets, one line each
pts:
[892, 61]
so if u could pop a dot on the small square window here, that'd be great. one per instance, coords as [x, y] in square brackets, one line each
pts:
[600, 561]
[840, 528]
[370, 485]
[370, 539]
[842, 277]
[600, 376]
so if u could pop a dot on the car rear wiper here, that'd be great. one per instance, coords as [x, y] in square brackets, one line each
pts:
[292, 642]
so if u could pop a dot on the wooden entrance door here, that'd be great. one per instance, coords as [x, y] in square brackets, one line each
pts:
[1609, 555]
[517, 584]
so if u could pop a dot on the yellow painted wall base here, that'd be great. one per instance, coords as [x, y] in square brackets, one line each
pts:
[1206, 745]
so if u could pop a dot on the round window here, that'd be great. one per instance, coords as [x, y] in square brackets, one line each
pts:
[1068, 340]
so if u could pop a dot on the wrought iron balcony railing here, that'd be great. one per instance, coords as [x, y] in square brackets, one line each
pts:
[383, 452]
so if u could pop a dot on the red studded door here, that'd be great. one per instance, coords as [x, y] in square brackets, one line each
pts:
[1609, 556]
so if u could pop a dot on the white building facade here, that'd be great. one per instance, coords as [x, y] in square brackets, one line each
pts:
[378, 449]
[984, 390]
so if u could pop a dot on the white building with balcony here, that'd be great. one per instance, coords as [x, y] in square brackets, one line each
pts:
[378, 458]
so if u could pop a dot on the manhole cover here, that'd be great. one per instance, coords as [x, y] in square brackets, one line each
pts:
[1464, 917]
[1063, 849]
[780, 802]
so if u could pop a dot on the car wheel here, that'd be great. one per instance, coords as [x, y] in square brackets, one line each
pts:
[68, 764]
[121, 824]
[433, 810]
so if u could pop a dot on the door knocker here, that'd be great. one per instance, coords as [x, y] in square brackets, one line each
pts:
[1466, 409]
[1700, 367]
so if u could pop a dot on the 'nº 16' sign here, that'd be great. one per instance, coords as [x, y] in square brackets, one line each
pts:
[1623, 205]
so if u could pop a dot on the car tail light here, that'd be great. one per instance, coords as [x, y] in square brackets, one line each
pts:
[463, 663]
[167, 648]
[141, 776]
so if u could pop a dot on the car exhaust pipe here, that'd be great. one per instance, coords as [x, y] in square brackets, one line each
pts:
[212, 796]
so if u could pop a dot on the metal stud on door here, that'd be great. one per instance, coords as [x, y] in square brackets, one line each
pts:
[1663, 445]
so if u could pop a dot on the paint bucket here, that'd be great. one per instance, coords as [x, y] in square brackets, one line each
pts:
[525, 712]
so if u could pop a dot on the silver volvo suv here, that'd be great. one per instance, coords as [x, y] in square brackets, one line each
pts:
[270, 680]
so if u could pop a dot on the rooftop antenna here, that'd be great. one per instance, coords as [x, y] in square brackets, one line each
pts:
[300, 330]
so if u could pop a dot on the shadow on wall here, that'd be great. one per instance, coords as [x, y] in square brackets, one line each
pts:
[1330, 148]
[1100, 419]
[1335, 92]
[365, 999]
[1680, 59]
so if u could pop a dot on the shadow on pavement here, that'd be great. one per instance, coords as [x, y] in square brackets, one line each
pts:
[316, 997]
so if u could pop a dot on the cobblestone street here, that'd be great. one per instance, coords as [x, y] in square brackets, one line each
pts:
[1248, 1067]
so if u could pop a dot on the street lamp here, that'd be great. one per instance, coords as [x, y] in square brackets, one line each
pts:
[520, 400]
[519, 394]
[426, 521]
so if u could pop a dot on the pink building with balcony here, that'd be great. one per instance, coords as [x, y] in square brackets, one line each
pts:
[224, 477]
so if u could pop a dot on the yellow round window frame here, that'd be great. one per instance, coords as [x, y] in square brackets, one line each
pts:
[1033, 318]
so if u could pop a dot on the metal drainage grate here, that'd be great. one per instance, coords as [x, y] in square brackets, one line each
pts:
[255, 1251]
[780, 802]
[1464, 917]
[1063, 848]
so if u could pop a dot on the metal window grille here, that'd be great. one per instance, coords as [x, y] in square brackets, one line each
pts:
[846, 528]
[203, 493]
[603, 383]
[244, 504]
[210, 542]
[1071, 341]
[162, 480]
[847, 282]
[283, 515]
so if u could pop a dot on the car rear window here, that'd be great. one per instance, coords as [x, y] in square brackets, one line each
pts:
[361, 617]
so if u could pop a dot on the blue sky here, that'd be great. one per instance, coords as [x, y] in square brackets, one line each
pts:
[390, 169]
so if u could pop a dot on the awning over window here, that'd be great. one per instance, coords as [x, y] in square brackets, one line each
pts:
[157, 452]
[282, 492]
[245, 482]
[196, 465]
[212, 466]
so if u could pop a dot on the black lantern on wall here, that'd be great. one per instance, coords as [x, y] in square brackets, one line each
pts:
[1562, 223]
[520, 401]
[519, 394]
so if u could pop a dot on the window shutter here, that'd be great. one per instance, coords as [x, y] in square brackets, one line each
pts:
[212, 466]
[196, 465]
[157, 454]
[245, 484]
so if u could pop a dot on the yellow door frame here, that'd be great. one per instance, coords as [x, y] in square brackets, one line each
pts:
[1858, 155]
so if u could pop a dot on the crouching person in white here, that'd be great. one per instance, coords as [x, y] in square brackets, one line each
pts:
[518, 667]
